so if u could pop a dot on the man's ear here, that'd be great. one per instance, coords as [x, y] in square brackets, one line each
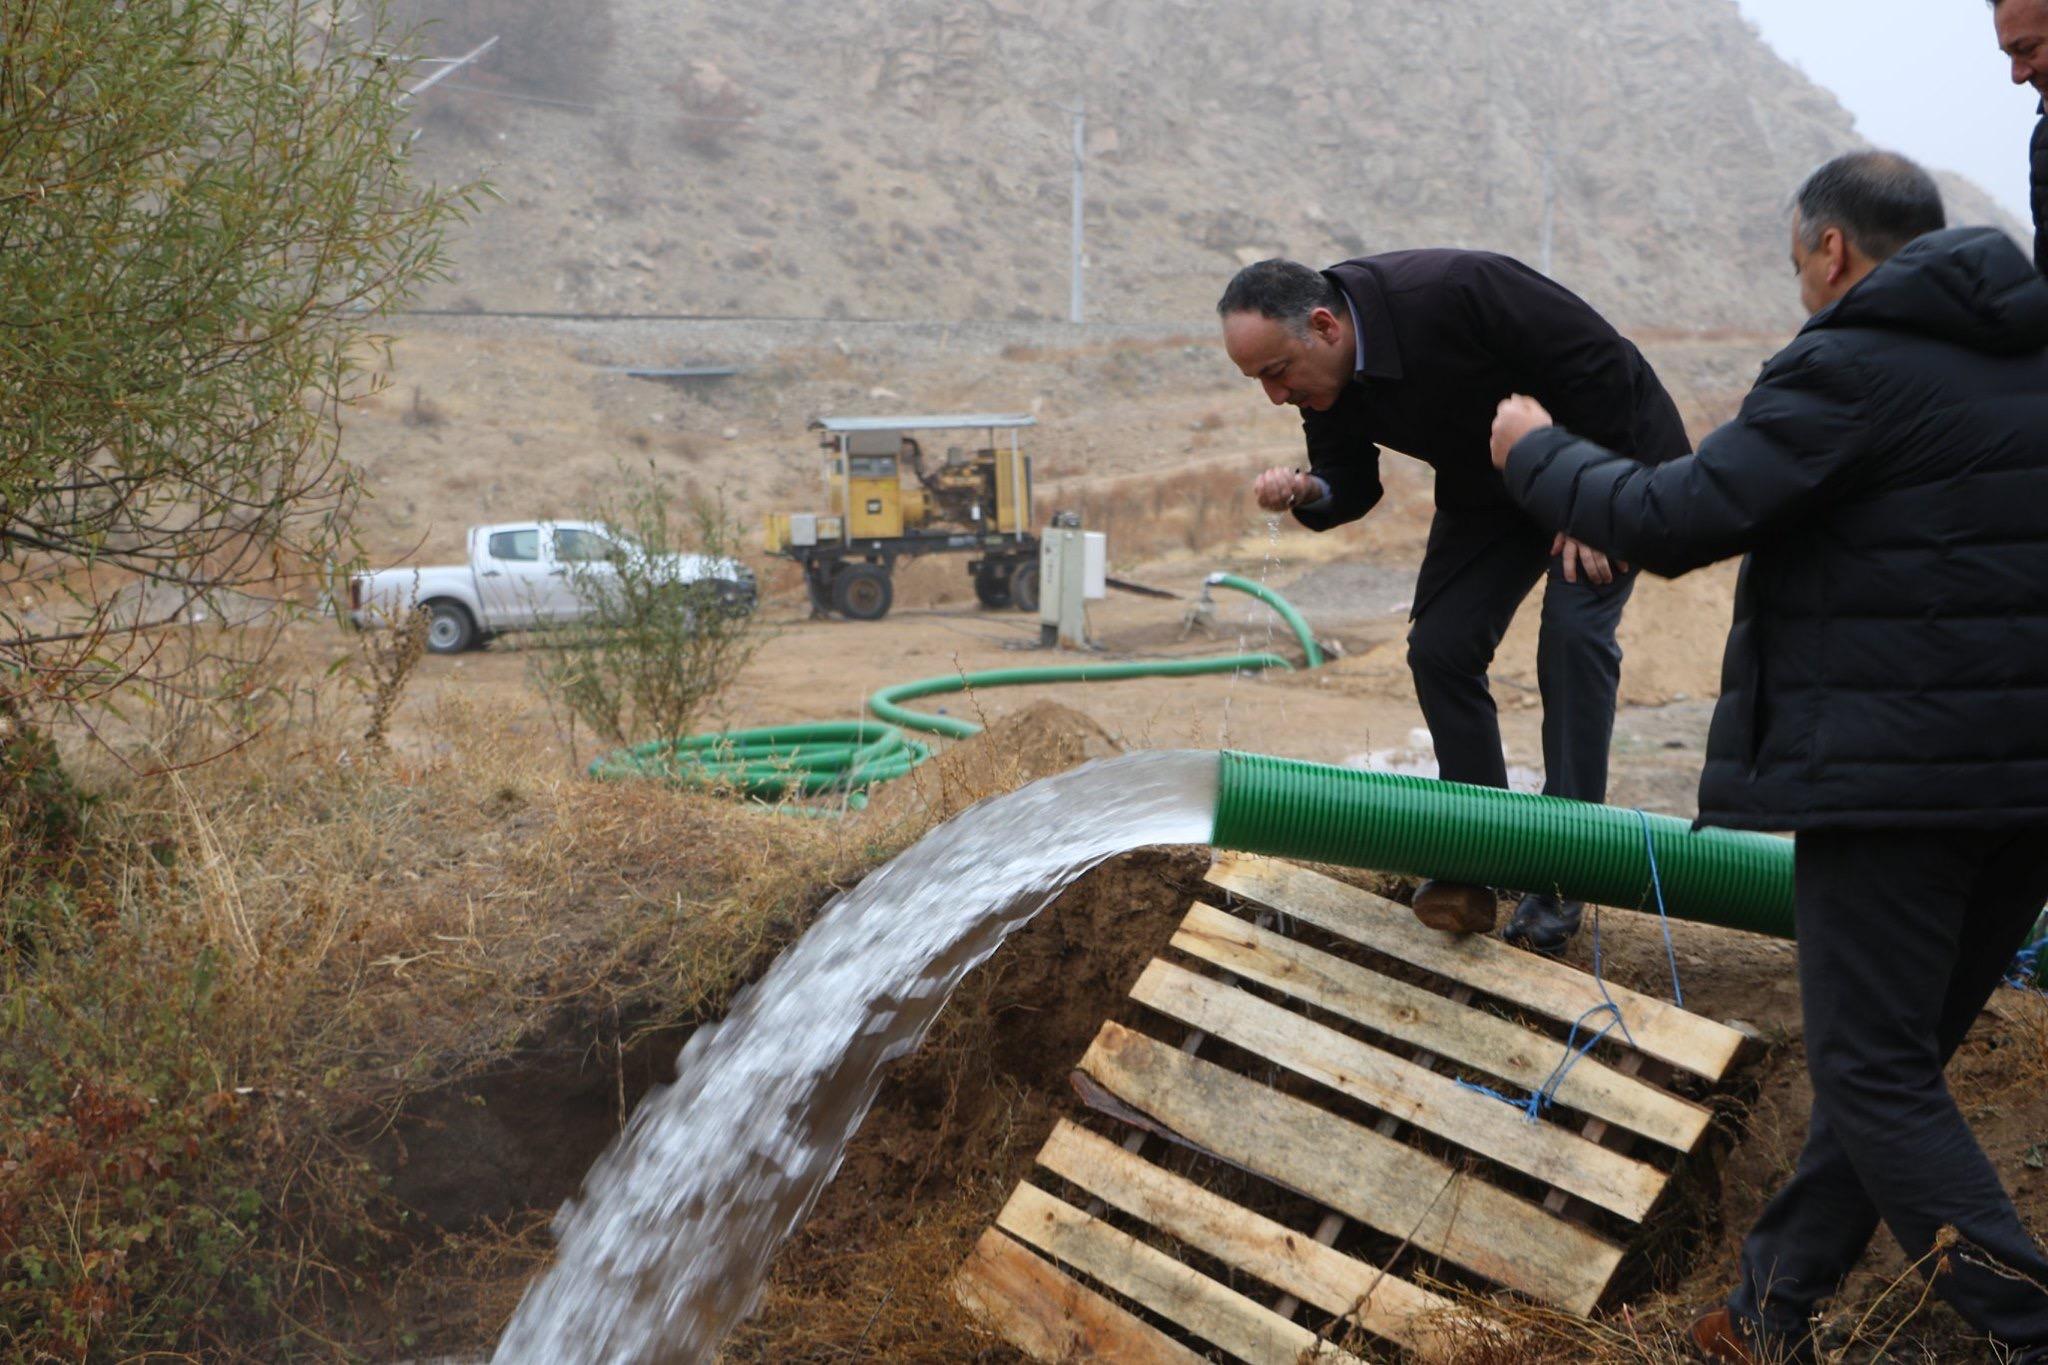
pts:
[1323, 323]
[1835, 243]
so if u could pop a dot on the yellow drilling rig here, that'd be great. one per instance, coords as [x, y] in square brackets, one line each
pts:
[892, 491]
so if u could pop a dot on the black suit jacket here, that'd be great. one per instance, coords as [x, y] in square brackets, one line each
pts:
[1447, 335]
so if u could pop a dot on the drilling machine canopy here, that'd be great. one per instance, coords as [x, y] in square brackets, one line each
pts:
[892, 490]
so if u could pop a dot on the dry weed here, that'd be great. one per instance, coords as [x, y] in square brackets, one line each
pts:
[300, 943]
[388, 658]
[1145, 517]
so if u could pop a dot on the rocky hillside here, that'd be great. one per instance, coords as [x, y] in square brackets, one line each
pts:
[910, 158]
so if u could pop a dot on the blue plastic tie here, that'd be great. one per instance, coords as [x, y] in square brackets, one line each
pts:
[1663, 918]
[1545, 1095]
[2025, 973]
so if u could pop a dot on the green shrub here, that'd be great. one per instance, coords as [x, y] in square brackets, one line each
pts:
[655, 649]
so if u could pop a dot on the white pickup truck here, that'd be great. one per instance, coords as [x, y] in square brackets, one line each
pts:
[520, 577]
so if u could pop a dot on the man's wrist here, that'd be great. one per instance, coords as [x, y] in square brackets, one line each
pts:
[1320, 494]
[1521, 444]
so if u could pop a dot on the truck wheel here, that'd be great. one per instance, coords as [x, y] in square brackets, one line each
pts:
[815, 588]
[1024, 586]
[450, 628]
[862, 592]
[992, 585]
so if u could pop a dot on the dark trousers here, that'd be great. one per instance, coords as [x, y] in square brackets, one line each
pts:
[1472, 580]
[1903, 935]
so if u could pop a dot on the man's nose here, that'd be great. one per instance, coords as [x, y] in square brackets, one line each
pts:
[2022, 73]
[1275, 393]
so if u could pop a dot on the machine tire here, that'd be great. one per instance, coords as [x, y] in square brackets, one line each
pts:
[450, 628]
[863, 592]
[1024, 586]
[815, 588]
[992, 585]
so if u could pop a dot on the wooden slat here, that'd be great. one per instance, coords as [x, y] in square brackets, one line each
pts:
[1213, 1312]
[1383, 1304]
[1662, 1030]
[1428, 1020]
[1433, 1103]
[1394, 1188]
[1052, 1317]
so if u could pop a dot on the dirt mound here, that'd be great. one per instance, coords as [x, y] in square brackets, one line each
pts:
[956, 1127]
[1044, 738]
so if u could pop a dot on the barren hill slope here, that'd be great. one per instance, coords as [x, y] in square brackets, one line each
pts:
[909, 158]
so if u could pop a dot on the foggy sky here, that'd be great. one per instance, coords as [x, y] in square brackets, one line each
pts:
[1923, 77]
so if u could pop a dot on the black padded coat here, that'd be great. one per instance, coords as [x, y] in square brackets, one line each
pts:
[1888, 480]
[2037, 162]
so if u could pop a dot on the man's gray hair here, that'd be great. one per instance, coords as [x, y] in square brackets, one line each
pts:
[1285, 291]
[1879, 200]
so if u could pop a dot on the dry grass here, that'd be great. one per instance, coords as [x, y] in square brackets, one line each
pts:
[293, 941]
[1145, 517]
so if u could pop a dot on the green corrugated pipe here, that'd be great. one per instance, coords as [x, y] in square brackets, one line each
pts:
[1309, 647]
[831, 756]
[775, 761]
[887, 703]
[1421, 827]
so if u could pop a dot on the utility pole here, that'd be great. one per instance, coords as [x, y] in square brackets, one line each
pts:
[1080, 113]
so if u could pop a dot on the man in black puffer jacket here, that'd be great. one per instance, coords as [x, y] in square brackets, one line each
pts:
[1885, 696]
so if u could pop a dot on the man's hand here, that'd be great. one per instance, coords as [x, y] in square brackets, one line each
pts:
[1581, 558]
[1278, 489]
[1516, 417]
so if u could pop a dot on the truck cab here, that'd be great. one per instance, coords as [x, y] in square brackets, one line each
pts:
[523, 575]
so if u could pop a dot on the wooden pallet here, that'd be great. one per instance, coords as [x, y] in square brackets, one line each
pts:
[1346, 1042]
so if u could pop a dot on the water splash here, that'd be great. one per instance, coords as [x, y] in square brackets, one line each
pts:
[668, 1244]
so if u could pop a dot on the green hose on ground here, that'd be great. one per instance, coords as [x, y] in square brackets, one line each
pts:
[1423, 827]
[775, 761]
[1309, 647]
[887, 703]
[835, 756]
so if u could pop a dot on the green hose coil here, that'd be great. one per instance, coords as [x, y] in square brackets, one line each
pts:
[775, 761]
[836, 756]
[1309, 647]
[888, 703]
[1426, 828]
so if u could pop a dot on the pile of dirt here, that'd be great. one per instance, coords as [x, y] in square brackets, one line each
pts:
[1043, 738]
[956, 1127]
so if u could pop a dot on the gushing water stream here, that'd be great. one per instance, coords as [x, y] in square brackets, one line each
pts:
[666, 1247]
